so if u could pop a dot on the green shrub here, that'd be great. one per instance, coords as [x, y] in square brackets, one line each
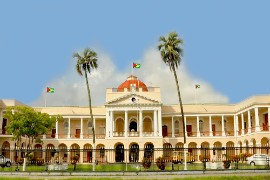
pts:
[160, 161]
[146, 162]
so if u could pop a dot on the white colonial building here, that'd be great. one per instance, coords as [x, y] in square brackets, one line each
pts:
[133, 117]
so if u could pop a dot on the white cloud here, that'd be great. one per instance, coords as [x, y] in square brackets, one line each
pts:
[70, 88]
[156, 73]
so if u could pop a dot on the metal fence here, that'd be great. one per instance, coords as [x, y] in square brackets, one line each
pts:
[135, 159]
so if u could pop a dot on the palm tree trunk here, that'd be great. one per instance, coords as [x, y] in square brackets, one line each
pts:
[92, 121]
[180, 101]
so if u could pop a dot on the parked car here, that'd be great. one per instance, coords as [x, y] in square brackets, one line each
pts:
[258, 159]
[4, 161]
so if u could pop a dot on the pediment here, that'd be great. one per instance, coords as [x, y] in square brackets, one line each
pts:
[132, 99]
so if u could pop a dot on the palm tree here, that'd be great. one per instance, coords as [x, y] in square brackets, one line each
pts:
[171, 54]
[86, 62]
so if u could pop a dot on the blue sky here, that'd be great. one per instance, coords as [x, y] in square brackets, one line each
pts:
[226, 43]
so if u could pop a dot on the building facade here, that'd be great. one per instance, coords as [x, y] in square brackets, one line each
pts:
[134, 118]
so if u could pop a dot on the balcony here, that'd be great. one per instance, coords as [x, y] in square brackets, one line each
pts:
[264, 127]
[229, 133]
[118, 133]
[4, 132]
[148, 133]
[73, 136]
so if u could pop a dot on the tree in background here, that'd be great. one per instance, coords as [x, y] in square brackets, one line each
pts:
[26, 124]
[86, 62]
[171, 54]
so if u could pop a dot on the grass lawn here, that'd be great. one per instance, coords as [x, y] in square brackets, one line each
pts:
[234, 177]
[120, 167]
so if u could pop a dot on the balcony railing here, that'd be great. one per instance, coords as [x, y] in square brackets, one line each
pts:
[148, 133]
[229, 133]
[118, 134]
[73, 136]
[4, 132]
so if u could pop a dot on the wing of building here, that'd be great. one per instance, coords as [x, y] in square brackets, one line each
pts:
[133, 117]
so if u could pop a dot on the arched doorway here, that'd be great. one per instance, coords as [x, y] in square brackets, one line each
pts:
[119, 153]
[100, 153]
[87, 153]
[37, 151]
[167, 151]
[50, 151]
[63, 152]
[265, 145]
[134, 152]
[6, 149]
[230, 150]
[149, 150]
[192, 151]
[75, 152]
[218, 150]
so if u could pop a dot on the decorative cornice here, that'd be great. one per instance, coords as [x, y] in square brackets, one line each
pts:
[130, 95]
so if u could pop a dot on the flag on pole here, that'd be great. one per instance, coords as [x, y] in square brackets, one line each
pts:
[50, 90]
[197, 86]
[136, 65]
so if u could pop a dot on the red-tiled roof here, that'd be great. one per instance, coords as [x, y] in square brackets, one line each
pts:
[132, 80]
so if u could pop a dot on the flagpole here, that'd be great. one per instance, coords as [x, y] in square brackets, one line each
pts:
[195, 95]
[132, 69]
[46, 98]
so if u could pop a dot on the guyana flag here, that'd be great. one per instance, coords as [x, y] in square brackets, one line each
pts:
[135, 65]
[50, 90]
[197, 86]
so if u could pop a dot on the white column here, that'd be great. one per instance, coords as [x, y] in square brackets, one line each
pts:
[159, 123]
[173, 127]
[257, 121]
[111, 124]
[249, 123]
[269, 119]
[155, 122]
[56, 129]
[236, 127]
[81, 135]
[242, 121]
[222, 126]
[140, 123]
[198, 128]
[69, 127]
[94, 125]
[126, 124]
[185, 120]
[107, 124]
[210, 126]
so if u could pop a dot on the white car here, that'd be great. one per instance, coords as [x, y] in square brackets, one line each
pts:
[4, 161]
[258, 159]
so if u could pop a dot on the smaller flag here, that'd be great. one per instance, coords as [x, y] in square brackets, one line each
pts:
[50, 90]
[197, 86]
[135, 65]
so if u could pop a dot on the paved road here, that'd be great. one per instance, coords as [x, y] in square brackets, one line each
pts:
[133, 175]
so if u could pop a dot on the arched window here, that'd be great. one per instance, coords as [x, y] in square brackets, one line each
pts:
[133, 125]
[201, 125]
[176, 127]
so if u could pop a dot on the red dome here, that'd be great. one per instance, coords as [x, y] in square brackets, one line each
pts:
[132, 80]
